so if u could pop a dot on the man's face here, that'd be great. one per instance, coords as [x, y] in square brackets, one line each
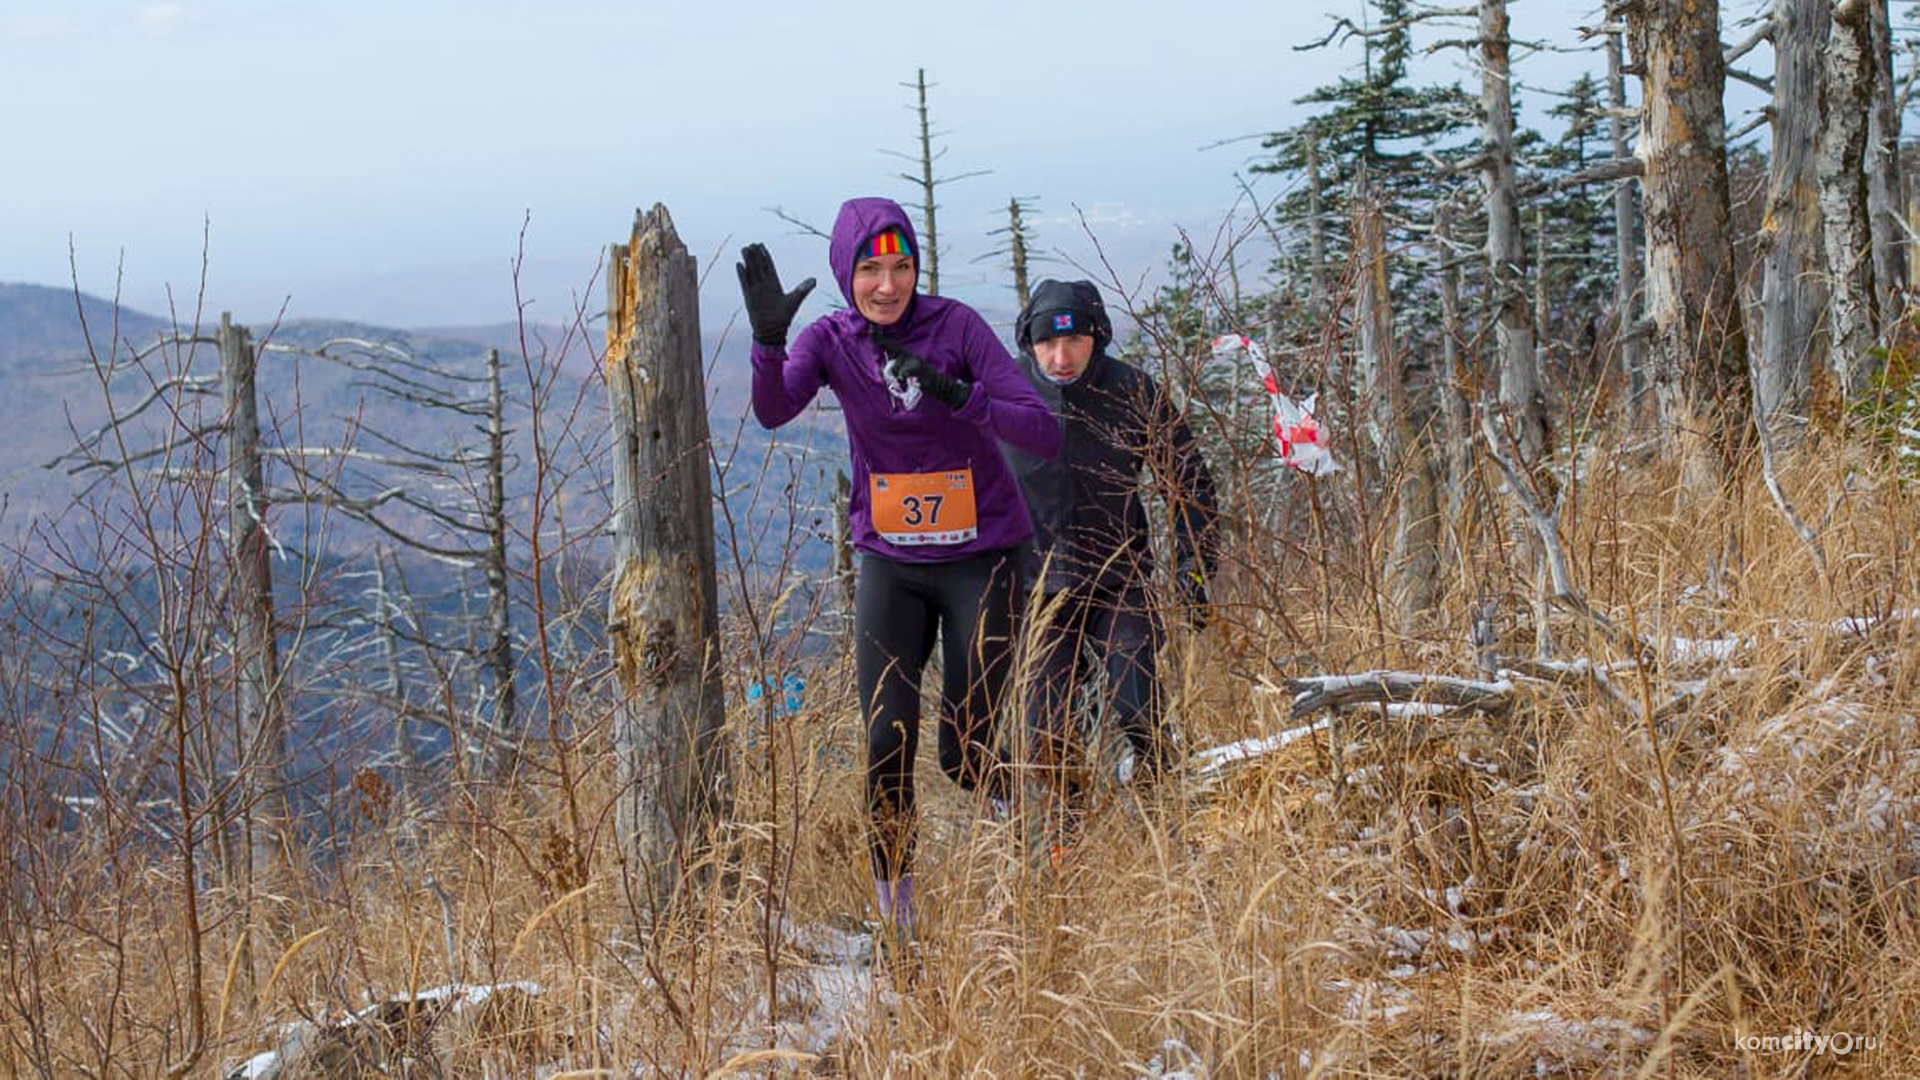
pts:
[1064, 359]
[882, 285]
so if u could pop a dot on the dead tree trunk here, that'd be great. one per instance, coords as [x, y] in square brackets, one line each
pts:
[1522, 397]
[1886, 193]
[499, 733]
[1316, 233]
[1520, 393]
[1456, 380]
[1373, 316]
[1017, 246]
[1626, 250]
[386, 607]
[1840, 163]
[1542, 309]
[1793, 288]
[663, 618]
[930, 235]
[1699, 347]
[843, 568]
[1413, 560]
[262, 752]
[929, 184]
[1912, 229]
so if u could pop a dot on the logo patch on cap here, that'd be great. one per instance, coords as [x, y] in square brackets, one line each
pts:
[1063, 322]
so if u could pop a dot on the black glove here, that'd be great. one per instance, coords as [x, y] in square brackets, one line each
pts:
[949, 390]
[1193, 596]
[770, 309]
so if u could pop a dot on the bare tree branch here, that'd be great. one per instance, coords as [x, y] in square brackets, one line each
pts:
[805, 226]
[1764, 32]
[1547, 528]
[1318, 692]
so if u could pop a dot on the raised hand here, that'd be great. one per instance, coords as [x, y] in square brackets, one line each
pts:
[770, 309]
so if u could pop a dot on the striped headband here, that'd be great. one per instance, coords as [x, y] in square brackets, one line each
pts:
[889, 242]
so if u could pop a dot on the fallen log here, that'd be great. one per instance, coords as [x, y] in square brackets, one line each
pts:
[1315, 693]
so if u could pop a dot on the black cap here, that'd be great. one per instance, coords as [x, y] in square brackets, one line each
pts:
[1064, 309]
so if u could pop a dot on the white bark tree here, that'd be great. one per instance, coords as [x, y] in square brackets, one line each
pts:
[1793, 287]
[1840, 157]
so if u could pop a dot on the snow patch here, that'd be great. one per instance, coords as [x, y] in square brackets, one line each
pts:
[1210, 761]
[1690, 649]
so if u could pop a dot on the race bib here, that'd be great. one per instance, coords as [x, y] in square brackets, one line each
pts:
[923, 508]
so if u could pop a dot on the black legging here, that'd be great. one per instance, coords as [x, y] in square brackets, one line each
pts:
[1124, 635]
[898, 609]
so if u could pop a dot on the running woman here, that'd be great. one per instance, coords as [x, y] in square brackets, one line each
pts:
[927, 391]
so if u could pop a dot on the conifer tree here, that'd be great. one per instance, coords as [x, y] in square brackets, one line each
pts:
[1406, 135]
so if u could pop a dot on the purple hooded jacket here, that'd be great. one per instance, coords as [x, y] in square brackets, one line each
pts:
[882, 437]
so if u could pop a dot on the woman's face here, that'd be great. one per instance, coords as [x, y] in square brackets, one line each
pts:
[882, 285]
[1064, 359]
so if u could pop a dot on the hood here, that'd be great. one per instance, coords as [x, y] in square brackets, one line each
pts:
[1080, 297]
[859, 221]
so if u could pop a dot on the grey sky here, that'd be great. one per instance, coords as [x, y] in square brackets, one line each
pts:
[376, 159]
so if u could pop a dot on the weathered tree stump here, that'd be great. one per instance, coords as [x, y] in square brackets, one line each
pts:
[663, 618]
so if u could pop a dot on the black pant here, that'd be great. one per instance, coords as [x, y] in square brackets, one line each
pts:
[1122, 634]
[898, 609]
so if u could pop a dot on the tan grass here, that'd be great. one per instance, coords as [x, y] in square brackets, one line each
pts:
[1471, 896]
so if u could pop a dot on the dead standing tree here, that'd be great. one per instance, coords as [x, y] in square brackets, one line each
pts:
[1793, 287]
[928, 183]
[1520, 392]
[1018, 249]
[1522, 398]
[499, 636]
[264, 760]
[374, 486]
[1699, 334]
[1316, 228]
[1400, 431]
[663, 617]
[1886, 191]
[1630, 338]
[449, 504]
[1840, 161]
[255, 755]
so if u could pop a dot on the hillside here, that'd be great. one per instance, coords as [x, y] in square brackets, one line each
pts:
[39, 324]
[49, 392]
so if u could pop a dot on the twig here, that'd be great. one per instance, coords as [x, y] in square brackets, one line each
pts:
[1548, 530]
[1807, 535]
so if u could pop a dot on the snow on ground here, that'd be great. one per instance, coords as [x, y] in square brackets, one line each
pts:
[1206, 763]
[1598, 1036]
[1689, 650]
[301, 1039]
[833, 993]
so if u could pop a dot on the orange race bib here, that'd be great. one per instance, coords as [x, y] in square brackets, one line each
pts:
[923, 508]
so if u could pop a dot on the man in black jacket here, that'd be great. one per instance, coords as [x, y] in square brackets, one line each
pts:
[1092, 555]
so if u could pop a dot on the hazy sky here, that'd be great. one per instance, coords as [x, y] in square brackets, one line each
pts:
[377, 160]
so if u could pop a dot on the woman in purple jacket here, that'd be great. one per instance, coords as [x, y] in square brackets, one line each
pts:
[927, 390]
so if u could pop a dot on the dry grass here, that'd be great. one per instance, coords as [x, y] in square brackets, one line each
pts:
[1468, 896]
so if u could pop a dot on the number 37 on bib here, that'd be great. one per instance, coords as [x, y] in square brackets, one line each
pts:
[923, 508]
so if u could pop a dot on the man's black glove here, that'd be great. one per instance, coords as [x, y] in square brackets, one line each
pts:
[949, 390]
[1193, 596]
[770, 309]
